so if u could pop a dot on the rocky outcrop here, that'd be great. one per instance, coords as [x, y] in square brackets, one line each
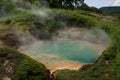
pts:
[9, 40]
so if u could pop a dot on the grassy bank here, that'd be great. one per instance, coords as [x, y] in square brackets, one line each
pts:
[18, 66]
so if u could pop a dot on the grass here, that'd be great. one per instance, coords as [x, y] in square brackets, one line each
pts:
[22, 65]
[107, 66]
[56, 19]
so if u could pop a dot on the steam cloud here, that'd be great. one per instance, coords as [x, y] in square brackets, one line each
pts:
[94, 35]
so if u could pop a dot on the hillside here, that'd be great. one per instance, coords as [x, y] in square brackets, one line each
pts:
[16, 66]
[24, 24]
[111, 10]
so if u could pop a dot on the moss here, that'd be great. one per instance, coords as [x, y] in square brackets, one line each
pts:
[22, 65]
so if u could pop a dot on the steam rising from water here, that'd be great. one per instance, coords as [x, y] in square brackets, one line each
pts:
[76, 46]
[71, 48]
[94, 35]
[37, 8]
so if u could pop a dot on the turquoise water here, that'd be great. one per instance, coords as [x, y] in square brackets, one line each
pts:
[68, 49]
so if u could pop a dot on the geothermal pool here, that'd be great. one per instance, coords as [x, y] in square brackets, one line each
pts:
[71, 50]
[64, 53]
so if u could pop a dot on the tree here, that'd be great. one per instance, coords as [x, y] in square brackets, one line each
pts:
[68, 4]
[6, 5]
[85, 7]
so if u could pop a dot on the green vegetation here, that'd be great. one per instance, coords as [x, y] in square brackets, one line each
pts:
[107, 66]
[66, 4]
[110, 10]
[17, 66]
[85, 7]
[26, 20]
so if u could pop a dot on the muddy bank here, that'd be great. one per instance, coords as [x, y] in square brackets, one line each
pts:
[54, 63]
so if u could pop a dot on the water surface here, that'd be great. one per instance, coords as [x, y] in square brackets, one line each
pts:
[68, 49]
